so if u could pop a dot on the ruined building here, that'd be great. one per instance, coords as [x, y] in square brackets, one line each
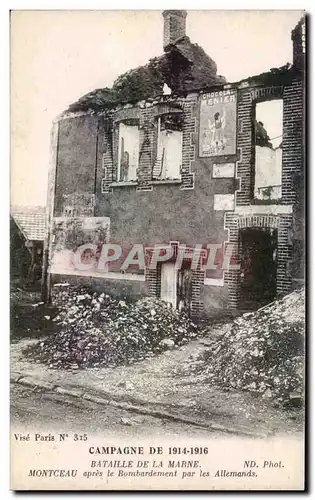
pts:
[174, 154]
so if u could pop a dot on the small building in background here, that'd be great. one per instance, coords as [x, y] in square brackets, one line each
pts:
[27, 234]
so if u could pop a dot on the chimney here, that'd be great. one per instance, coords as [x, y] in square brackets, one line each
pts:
[174, 26]
[298, 37]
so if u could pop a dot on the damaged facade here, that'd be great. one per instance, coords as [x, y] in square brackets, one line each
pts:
[173, 154]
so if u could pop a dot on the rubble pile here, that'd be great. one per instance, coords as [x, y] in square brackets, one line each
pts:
[262, 351]
[99, 330]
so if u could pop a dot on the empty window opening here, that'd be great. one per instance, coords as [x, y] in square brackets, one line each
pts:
[169, 147]
[128, 152]
[268, 150]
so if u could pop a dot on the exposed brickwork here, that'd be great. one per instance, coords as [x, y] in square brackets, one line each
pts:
[298, 36]
[107, 157]
[130, 113]
[258, 221]
[292, 150]
[153, 279]
[174, 26]
[155, 142]
[111, 145]
[189, 148]
[231, 276]
[244, 145]
[235, 222]
[292, 147]
[148, 136]
[115, 146]
[292, 166]
[159, 110]
[284, 255]
[146, 150]
[264, 93]
[165, 108]
[196, 305]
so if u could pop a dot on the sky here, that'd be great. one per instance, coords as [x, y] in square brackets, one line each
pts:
[58, 56]
[270, 114]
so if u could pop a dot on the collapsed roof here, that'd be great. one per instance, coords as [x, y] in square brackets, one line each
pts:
[184, 67]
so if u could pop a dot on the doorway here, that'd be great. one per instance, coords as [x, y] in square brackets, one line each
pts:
[184, 290]
[258, 248]
[169, 283]
[176, 286]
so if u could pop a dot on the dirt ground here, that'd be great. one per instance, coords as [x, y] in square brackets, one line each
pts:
[49, 411]
[173, 381]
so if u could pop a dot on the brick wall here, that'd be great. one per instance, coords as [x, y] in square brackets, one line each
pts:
[298, 36]
[148, 143]
[292, 168]
[189, 132]
[244, 145]
[231, 276]
[197, 306]
[283, 223]
[106, 164]
[174, 26]
[284, 256]
[153, 279]
[292, 147]
[292, 151]
[146, 149]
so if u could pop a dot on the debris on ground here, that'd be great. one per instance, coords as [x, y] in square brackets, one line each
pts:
[28, 316]
[100, 330]
[263, 351]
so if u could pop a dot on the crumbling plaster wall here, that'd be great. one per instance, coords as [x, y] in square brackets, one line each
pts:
[76, 158]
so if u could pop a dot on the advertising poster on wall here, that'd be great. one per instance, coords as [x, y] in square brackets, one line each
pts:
[217, 134]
